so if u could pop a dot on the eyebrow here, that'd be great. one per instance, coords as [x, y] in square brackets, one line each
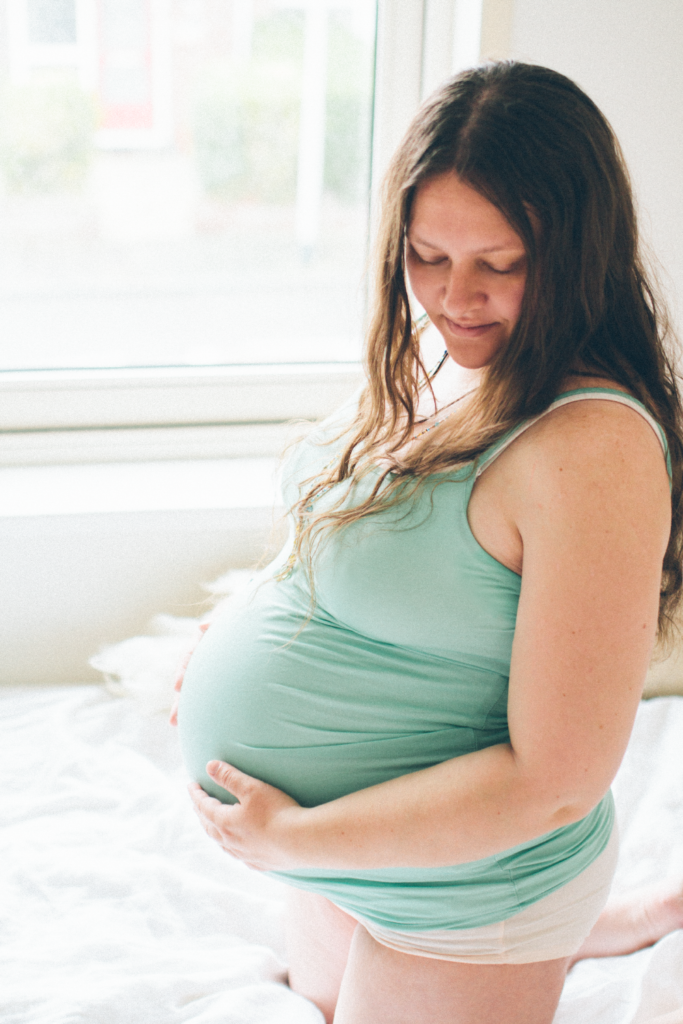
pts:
[491, 248]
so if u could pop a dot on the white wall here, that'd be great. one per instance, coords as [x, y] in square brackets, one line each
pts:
[627, 55]
[72, 584]
[90, 553]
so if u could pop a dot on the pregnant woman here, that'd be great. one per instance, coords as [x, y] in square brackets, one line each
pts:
[421, 706]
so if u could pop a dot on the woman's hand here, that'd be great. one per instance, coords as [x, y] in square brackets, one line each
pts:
[257, 828]
[173, 717]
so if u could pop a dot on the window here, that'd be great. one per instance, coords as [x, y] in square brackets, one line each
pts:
[51, 21]
[186, 207]
[203, 200]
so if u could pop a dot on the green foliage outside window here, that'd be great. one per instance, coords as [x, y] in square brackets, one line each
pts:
[46, 136]
[246, 119]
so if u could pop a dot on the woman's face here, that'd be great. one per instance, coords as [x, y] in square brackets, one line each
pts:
[467, 268]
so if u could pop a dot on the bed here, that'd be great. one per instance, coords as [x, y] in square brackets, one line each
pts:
[117, 908]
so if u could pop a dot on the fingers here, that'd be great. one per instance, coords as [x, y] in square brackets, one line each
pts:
[230, 778]
[183, 666]
[185, 662]
[252, 828]
[207, 807]
[227, 777]
[177, 686]
[217, 821]
[214, 816]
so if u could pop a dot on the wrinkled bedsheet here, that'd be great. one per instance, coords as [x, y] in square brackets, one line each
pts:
[115, 908]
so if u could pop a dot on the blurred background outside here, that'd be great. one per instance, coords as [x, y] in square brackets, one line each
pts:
[183, 182]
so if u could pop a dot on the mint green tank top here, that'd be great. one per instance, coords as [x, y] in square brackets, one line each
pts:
[403, 663]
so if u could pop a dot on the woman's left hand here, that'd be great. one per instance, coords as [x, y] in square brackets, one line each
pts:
[254, 830]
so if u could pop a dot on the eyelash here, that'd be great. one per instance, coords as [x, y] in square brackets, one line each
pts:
[435, 263]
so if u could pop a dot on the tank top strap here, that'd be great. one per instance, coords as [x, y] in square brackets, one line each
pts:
[567, 397]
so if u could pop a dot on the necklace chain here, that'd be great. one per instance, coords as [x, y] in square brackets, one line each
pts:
[438, 422]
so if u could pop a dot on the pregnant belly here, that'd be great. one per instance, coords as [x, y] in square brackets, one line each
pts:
[322, 711]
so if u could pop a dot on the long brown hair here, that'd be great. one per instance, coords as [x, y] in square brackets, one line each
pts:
[533, 144]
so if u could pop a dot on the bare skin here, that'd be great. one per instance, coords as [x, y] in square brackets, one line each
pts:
[319, 934]
[334, 959]
[355, 980]
[580, 654]
[635, 920]
[320, 937]
[177, 686]
[323, 939]
[382, 986]
[581, 499]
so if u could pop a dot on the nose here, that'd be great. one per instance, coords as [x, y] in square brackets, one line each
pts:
[463, 293]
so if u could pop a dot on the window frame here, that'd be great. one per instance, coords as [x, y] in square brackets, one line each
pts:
[67, 416]
[63, 415]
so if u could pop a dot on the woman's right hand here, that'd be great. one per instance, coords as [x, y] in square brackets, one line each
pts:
[173, 718]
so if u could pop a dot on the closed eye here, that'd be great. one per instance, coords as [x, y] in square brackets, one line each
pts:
[517, 265]
[428, 263]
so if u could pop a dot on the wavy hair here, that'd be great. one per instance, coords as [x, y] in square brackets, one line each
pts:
[531, 142]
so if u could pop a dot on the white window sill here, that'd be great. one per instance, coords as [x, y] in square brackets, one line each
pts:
[172, 396]
[29, 491]
[146, 444]
[57, 418]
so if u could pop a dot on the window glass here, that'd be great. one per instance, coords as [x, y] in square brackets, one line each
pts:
[183, 182]
[51, 21]
[124, 43]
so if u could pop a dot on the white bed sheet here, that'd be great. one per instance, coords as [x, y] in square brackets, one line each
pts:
[117, 909]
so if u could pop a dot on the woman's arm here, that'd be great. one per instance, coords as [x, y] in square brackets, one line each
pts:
[588, 493]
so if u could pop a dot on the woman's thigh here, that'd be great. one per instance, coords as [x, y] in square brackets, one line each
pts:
[319, 938]
[383, 986]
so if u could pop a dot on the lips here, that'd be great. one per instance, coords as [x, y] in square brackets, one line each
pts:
[473, 330]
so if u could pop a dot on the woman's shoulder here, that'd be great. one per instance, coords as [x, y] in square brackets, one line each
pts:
[595, 429]
[590, 408]
[593, 412]
[592, 419]
[588, 469]
[580, 470]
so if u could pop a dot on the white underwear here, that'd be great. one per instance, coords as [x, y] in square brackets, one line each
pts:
[553, 927]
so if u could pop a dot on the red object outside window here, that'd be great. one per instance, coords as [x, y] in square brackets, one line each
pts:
[125, 63]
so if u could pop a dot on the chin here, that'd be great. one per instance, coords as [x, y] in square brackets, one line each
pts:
[470, 360]
[471, 354]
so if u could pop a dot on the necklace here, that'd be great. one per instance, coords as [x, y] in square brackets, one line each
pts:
[288, 567]
[438, 422]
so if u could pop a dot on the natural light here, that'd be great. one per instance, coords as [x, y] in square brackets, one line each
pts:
[184, 184]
